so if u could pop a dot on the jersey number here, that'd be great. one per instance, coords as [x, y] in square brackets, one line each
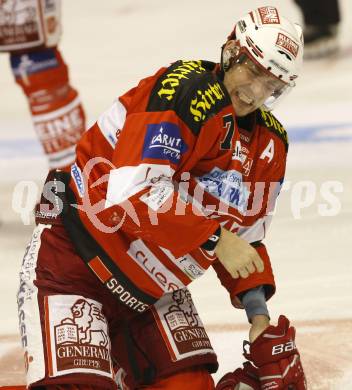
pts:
[229, 124]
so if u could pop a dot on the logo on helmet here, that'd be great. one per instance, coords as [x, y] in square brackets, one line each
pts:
[269, 15]
[287, 44]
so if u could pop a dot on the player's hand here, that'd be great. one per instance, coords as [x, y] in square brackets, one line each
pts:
[238, 257]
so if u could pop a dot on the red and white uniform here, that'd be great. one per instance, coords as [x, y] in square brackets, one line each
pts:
[162, 168]
[153, 179]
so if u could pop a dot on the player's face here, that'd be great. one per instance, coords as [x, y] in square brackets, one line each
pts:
[250, 86]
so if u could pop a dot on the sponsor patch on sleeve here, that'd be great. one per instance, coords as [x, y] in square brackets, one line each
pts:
[163, 141]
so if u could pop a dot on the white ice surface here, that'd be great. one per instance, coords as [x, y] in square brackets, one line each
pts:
[109, 48]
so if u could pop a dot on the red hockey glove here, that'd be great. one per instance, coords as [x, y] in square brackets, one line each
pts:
[275, 354]
[248, 375]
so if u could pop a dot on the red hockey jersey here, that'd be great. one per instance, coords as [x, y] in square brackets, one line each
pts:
[160, 170]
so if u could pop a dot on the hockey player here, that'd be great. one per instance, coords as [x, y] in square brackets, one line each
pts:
[180, 174]
[30, 31]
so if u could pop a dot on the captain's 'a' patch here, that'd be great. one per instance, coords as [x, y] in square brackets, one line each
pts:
[267, 119]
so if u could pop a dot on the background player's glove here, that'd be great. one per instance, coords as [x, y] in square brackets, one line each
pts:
[275, 354]
[246, 378]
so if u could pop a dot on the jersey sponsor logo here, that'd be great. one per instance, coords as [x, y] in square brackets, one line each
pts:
[245, 138]
[163, 141]
[247, 165]
[76, 174]
[226, 186]
[287, 44]
[124, 182]
[205, 100]
[125, 296]
[247, 161]
[78, 336]
[183, 332]
[187, 264]
[173, 79]
[35, 62]
[269, 15]
[158, 195]
[153, 267]
[237, 152]
[190, 267]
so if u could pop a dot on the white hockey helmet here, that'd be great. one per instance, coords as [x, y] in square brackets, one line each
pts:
[272, 42]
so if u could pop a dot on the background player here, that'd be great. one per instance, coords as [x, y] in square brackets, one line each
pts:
[192, 128]
[30, 31]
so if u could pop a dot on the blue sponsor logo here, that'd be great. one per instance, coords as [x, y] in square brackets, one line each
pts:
[37, 61]
[226, 186]
[76, 174]
[163, 141]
